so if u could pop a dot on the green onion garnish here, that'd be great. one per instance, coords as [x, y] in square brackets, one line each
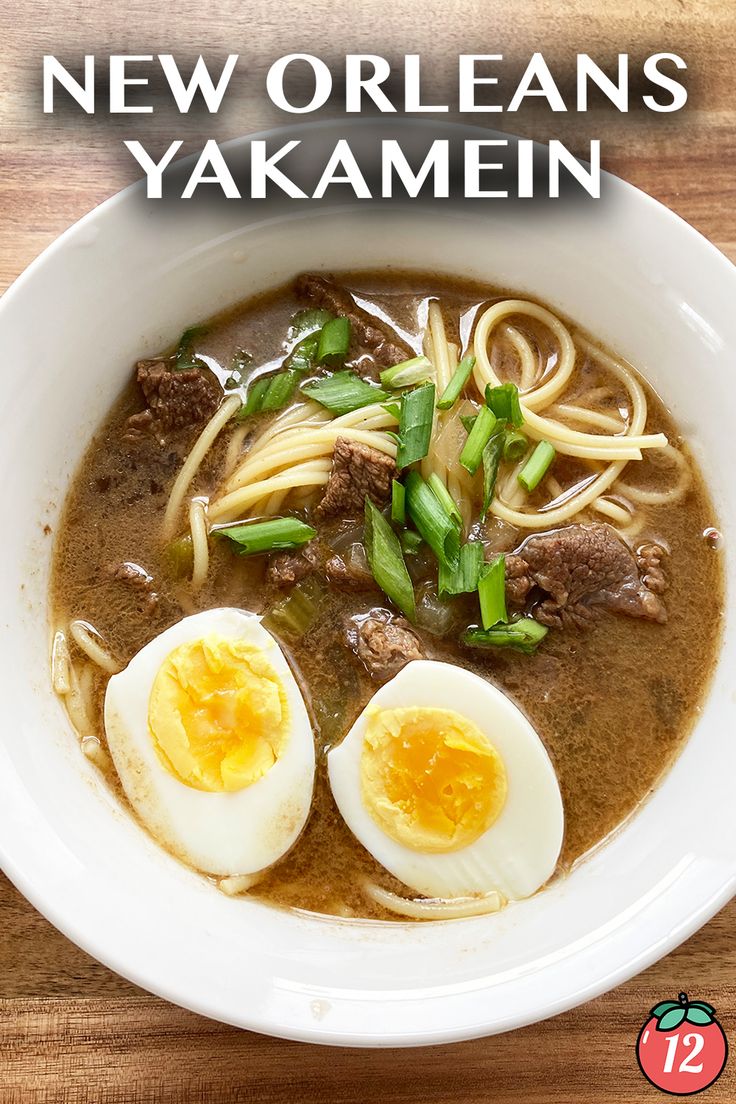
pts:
[296, 613]
[536, 466]
[525, 635]
[460, 377]
[483, 427]
[280, 390]
[410, 542]
[268, 393]
[468, 421]
[303, 357]
[334, 341]
[398, 503]
[185, 356]
[408, 373]
[308, 321]
[514, 445]
[504, 402]
[441, 493]
[343, 392]
[415, 425]
[254, 399]
[492, 592]
[272, 535]
[491, 459]
[387, 561]
[431, 519]
[464, 578]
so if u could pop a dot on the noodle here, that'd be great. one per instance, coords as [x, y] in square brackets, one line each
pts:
[236, 884]
[435, 908]
[89, 640]
[76, 705]
[191, 465]
[658, 498]
[60, 663]
[200, 543]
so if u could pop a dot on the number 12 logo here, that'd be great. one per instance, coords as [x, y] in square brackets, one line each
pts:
[681, 1048]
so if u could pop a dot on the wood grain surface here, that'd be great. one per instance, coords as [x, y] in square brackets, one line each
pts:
[72, 1032]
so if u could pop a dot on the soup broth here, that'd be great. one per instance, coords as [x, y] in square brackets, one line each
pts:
[612, 701]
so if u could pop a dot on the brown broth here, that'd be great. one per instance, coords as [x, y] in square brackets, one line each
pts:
[609, 748]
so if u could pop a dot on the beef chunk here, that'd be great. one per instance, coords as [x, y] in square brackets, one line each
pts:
[368, 333]
[350, 573]
[137, 578]
[287, 568]
[383, 643]
[582, 569]
[174, 400]
[357, 470]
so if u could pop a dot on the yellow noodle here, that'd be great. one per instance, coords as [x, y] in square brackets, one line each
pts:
[238, 502]
[528, 367]
[191, 465]
[618, 514]
[89, 640]
[60, 662]
[658, 498]
[76, 705]
[436, 908]
[590, 417]
[200, 542]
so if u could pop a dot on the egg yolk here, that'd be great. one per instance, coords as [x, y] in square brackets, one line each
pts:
[217, 714]
[430, 778]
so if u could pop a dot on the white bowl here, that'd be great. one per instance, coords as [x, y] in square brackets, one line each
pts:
[123, 283]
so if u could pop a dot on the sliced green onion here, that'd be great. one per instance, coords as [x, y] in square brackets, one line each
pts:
[491, 459]
[268, 393]
[186, 358]
[525, 635]
[387, 561]
[441, 493]
[303, 357]
[415, 425]
[536, 466]
[343, 392]
[280, 390]
[468, 421]
[464, 578]
[294, 615]
[408, 373]
[254, 399]
[308, 321]
[483, 427]
[334, 341]
[398, 503]
[492, 592]
[431, 519]
[460, 377]
[504, 402]
[515, 445]
[410, 542]
[272, 535]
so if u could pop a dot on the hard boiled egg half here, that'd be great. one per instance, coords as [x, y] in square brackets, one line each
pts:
[445, 782]
[212, 742]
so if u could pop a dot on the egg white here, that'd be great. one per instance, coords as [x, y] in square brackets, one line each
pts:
[239, 832]
[519, 852]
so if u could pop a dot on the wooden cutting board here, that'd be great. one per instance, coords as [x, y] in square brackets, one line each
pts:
[72, 1032]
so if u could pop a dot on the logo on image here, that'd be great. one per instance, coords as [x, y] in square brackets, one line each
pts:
[682, 1048]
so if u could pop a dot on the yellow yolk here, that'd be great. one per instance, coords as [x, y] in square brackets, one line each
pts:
[430, 778]
[217, 714]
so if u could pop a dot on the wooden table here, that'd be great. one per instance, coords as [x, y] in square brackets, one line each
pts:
[71, 1031]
